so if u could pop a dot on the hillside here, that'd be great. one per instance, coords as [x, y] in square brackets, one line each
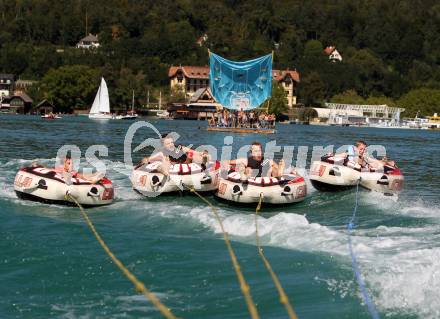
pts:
[389, 48]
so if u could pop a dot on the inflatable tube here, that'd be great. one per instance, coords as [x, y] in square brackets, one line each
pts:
[332, 174]
[389, 182]
[287, 189]
[46, 185]
[148, 180]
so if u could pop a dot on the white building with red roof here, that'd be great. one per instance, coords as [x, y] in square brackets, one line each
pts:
[332, 53]
[288, 79]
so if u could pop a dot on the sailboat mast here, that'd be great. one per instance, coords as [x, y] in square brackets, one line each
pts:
[160, 100]
[87, 23]
[132, 103]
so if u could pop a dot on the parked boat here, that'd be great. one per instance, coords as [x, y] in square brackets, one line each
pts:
[130, 115]
[50, 116]
[101, 105]
[163, 114]
[433, 122]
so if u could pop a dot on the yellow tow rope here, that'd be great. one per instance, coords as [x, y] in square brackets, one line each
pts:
[139, 286]
[283, 297]
[243, 285]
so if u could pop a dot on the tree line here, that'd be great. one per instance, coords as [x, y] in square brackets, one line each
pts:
[389, 47]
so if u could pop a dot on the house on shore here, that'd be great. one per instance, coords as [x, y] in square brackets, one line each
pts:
[201, 105]
[289, 80]
[44, 107]
[88, 42]
[7, 84]
[19, 103]
[190, 79]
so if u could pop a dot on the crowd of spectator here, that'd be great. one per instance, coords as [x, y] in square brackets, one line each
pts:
[242, 119]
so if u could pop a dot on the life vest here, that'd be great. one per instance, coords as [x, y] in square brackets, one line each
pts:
[256, 165]
[352, 155]
[177, 155]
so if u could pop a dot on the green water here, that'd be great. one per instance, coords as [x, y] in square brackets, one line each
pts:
[51, 266]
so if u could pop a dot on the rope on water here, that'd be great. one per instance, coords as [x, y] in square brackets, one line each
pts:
[139, 286]
[283, 297]
[350, 226]
[243, 284]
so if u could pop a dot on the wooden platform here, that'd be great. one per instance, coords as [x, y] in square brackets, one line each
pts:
[241, 130]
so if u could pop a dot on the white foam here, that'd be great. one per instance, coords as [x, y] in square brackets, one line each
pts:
[400, 206]
[283, 229]
[400, 264]
[408, 280]
[420, 209]
[400, 272]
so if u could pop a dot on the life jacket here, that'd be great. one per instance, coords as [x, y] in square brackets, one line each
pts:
[256, 165]
[176, 156]
[351, 158]
[351, 153]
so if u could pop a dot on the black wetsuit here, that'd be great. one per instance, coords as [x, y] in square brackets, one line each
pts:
[176, 156]
[256, 165]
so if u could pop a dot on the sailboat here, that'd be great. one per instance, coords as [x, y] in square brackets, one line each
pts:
[101, 105]
[131, 115]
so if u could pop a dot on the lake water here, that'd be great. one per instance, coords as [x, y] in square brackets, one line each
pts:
[51, 266]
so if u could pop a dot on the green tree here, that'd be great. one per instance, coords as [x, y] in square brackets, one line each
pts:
[348, 97]
[371, 72]
[387, 49]
[125, 84]
[313, 48]
[290, 48]
[420, 74]
[177, 95]
[380, 100]
[311, 89]
[427, 101]
[70, 87]
[278, 101]
[306, 114]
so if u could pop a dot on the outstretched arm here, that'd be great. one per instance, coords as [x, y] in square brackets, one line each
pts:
[153, 158]
[341, 155]
[238, 161]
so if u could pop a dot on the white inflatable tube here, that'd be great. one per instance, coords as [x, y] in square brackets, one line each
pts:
[390, 182]
[287, 189]
[46, 185]
[330, 177]
[332, 174]
[149, 180]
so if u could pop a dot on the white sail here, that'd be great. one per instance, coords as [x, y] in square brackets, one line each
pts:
[101, 104]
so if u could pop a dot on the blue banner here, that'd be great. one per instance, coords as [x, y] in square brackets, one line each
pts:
[240, 85]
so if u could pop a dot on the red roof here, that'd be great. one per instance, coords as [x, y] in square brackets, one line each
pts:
[192, 72]
[280, 75]
[202, 72]
[329, 50]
